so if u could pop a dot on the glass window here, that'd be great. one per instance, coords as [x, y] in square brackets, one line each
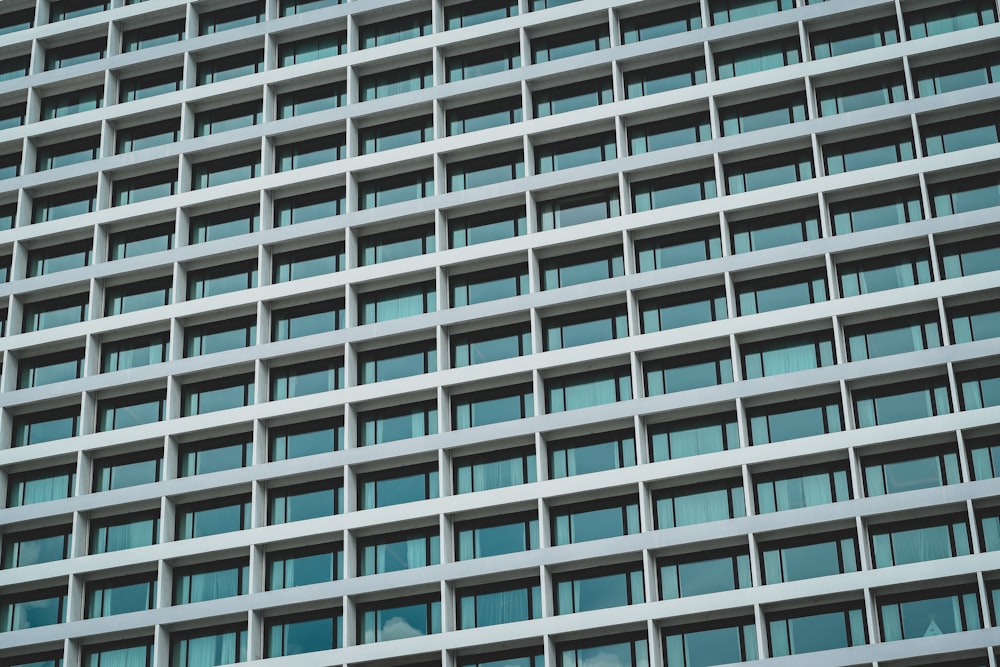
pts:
[223, 453]
[71, 102]
[968, 194]
[775, 230]
[231, 17]
[571, 97]
[308, 565]
[816, 629]
[767, 172]
[63, 10]
[980, 255]
[214, 517]
[406, 132]
[220, 336]
[289, 7]
[492, 406]
[928, 538]
[691, 437]
[66, 153]
[861, 94]
[524, 657]
[223, 224]
[495, 536]
[895, 336]
[13, 115]
[397, 362]
[212, 395]
[660, 23]
[230, 67]
[394, 82]
[704, 572]
[487, 226]
[572, 43]
[121, 595]
[494, 113]
[670, 133]
[483, 62]
[990, 532]
[134, 297]
[490, 345]
[595, 520]
[724, 11]
[957, 74]
[37, 546]
[311, 377]
[496, 603]
[39, 427]
[394, 30]
[35, 608]
[683, 309]
[712, 643]
[661, 78]
[147, 136]
[929, 613]
[980, 388]
[396, 302]
[691, 371]
[309, 206]
[787, 355]
[39, 486]
[949, 17]
[304, 439]
[318, 150]
[486, 170]
[303, 633]
[49, 368]
[223, 119]
[883, 210]
[397, 423]
[588, 389]
[138, 529]
[686, 506]
[10, 165]
[21, 19]
[868, 34]
[134, 352]
[322, 97]
[622, 651]
[307, 262]
[801, 418]
[675, 249]
[150, 85]
[955, 135]
[537, 5]
[603, 588]
[674, 189]
[419, 482]
[977, 321]
[131, 410]
[218, 645]
[489, 285]
[579, 209]
[122, 471]
[480, 11]
[786, 291]
[8, 212]
[143, 188]
[582, 328]
[584, 267]
[307, 319]
[495, 470]
[63, 204]
[803, 487]
[902, 401]
[885, 272]
[312, 48]
[576, 152]
[886, 148]
[398, 619]
[75, 53]
[763, 114]
[231, 169]
[397, 244]
[148, 36]
[396, 189]
[401, 550]
[757, 58]
[131, 652]
[212, 581]
[214, 280]
[808, 557]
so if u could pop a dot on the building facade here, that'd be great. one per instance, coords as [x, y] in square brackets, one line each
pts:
[499, 333]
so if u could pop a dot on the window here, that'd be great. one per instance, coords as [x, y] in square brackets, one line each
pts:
[223, 224]
[704, 572]
[969, 194]
[147, 136]
[713, 643]
[396, 302]
[787, 355]
[395, 82]
[307, 319]
[887, 148]
[75, 53]
[397, 423]
[32, 609]
[684, 309]
[230, 67]
[304, 439]
[481, 63]
[71, 102]
[13, 115]
[37, 546]
[18, 20]
[225, 170]
[300, 567]
[484, 116]
[955, 135]
[41, 315]
[885, 272]
[213, 395]
[127, 470]
[134, 530]
[396, 244]
[691, 371]
[63, 257]
[63, 205]
[686, 506]
[900, 402]
[588, 389]
[487, 170]
[319, 150]
[980, 388]
[394, 30]
[662, 78]
[691, 437]
[566, 44]
[856, 37]
[724, 11]
[399, 619]
[420, 482]
[303, 633]
[211, 581]
[603, 588]
[148, 36]
[661, 23]
[131, 652]
[10, 165]
[775, 230]
[8, 212]
[66, 153]
[49, 368]
[495, 536]
[802, 418]
[670, 133]
[808, 557]
[138, 296]
[895, 336]
[218, 645]
[311, 377]
[625, 651]
[515, 658]
[583, 328]
[757, 58]
[214, 517]
[480, 11]
[150, 85]
[39, 427]
[63, 10]
[945, 18]
[861, 94]
[487, 226]
[309, 206]
[956, 74]
[496, 603]
[401, 550]
[289, 7]
[39, 486]
[883, 210]
[224, 453]
[990, 531]
[397, 362]
[928, 613]
[767, 172]
[492, 406]
[928, 538]
[595, 520]
[786, 291]
[215, 280]
[584, 267]
[312, 48]
[803, 487]
[537, 5]
[223, 119]
[308, 262]
[576, 152]
[579, 209]
[131, 410]
[674, 189]
[489, 285]
[676, 249]
[322, 97]
[981, 255]
[816, 629]
[495, 470]
[571, 97]
[396, 189]
[121, 595]
[974, 322]
[134, 352]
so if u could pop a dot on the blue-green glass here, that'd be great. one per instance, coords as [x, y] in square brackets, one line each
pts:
[478, 11]
[394, 30]
[896, 403]
[304, 634]
[489, 285]
[114, 474]
[307, 319]
[398, 489]
[575, 152]
[572, 97]
[222, 280]
[771, 112]
[571, 43]
[407, 421]
[483, 408]
[584, 328]
[485, 171]
[231, 67]
[67, 153]
[757, 58]
[662, 78]
[311, 48]
[633, 653]
[110, 598]
[72, 102]
[857, 37]
[395, 82]
[20, 551]
[224, 224]
[397, 362]
[396, 189]
[714, 502]
[401, 551]
[691, 437]
[956, 75]
[495, 470]
[38, 371]
[144, 188]
[130, 532]
[966, 195]
[310, 206]
[197, 521]
[587, 390]
[304, 503]
[812, 559]
[220, 336]
[301, 568]
[141, 88]
[37, 428]
[146, 37]
[40, 486]
[683, 310]
[799, 490]
[321, 150]
[669, 133]
[583, 268]
[484, 116]
[134, 352]
[407, 132]
[579, 209]
[862, 94]
[306, 439]
[788, 355]
[323, 97]
[314, 377]
[224, 171]
[817, 631]
[661, 23]
[510, 604]
[601, 591]
[877, 211]
[146, 136]
[885, 273]
[775, 230]
[41, 608]
[785, 292]
[18, 20]
[203, 458]
[673, 190]
[198, 584]
[74, 53]
[487, 226]
[685, 578]
[481, 63]
[871, 341]
[308, 262]
[686, 248]
[592, 454]
[949, 17]
[573, 525]
[490, 345]
[769, 172]
[799, 420]
[724, 11]
[943, 614]
[901, 545]
[951, 136]
[131, 653]
[129, 298]
[681, 374]
[976, 324]
[969, 259]
[63, 205]
[482, 541]
[140, 409]
[874, 152]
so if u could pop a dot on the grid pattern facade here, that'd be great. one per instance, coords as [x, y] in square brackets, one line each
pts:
[499, 332]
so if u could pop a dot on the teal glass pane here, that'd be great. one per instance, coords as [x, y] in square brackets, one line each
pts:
[661, 23]
[477, 12]
[761, 115]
